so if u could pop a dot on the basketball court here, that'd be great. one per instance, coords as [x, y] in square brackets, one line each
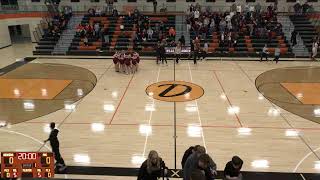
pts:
[107, 119]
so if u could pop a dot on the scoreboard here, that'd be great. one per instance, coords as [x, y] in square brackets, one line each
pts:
[27, 164]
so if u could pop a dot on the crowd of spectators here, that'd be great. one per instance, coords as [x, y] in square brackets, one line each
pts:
[150, 32]
[196, 164]
[302, 9]
[250, 21]
[58, 23]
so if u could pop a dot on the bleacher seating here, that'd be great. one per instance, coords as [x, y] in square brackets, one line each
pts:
[304, 28]
[46, 45]
[119, 40]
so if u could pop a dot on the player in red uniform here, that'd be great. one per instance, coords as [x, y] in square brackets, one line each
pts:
[134, 60]
[135, 54]
[127, 60]
[116, 61]
[122, 61]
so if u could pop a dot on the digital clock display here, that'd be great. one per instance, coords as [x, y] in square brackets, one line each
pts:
[27, 164]
[27, 156]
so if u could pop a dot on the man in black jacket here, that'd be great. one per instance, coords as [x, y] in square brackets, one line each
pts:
[54, 142]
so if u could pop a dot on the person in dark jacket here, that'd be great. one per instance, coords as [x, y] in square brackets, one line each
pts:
[193, 163]
[152, 168]
[294, 37]
[54, 142]
[182, 40]
[232, 169]
[187, 153]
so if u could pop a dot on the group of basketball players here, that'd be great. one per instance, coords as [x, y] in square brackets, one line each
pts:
[126, 62]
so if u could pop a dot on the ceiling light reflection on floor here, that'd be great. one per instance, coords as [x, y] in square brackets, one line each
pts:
[223, 96]
[81, 158]
[244, 131]
[260, 163]
[292, 133]
[316, 112]
[44, 92]
[97, 127]
[79, 92]
[145, 129]
[194, 130]
[69, 107]
[261, 97]
[233, 110]
[114, 94]
[274, 112]
[317, 165]
[137, 160]
[190, 107]
[16, 92]
[28, 105]
[108, 107]
[299, 95]
[150, 107]
[46, 128]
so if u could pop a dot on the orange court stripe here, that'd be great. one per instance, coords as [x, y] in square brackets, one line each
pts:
[306, 93]
[31, 88]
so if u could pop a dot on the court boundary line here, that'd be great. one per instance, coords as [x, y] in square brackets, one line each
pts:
[198, 112]
[27, 136]
[229, 102]
[122, 97]
[150, 118]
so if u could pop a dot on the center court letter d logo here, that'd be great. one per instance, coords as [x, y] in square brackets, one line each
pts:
[172, 87]
[174, 91]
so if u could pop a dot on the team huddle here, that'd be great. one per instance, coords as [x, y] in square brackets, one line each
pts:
[126, 62]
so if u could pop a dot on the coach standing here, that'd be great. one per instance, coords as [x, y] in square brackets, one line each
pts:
[54, 142]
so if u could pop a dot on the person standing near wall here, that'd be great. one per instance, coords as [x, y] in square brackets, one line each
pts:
[155, 3]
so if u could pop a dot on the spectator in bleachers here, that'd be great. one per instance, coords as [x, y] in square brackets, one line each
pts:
[205, 50]
[232, 169]
[98, 11]
[115, 12]
[315, 46]
[150, 33]
[264, 53]
[91, 12]
[294, 37]
[305, 7]
[155, 3]
[297, 8]
[182, 40]
[257, 8]
[276, 54]
[172, 33]
[85, 41]
[96, 30]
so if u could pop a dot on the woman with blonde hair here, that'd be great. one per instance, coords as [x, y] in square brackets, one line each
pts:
[152, 168]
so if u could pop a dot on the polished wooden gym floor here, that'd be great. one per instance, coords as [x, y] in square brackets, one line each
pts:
[118, 122]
